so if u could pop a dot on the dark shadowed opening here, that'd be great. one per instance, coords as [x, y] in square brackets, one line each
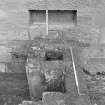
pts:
[56, 84]
[62, 16]
[37, 16]
[53, 55]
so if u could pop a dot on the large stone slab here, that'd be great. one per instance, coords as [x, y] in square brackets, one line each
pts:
[53, 98]
[32, 103]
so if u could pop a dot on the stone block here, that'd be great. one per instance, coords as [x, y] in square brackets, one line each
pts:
[53, 98]
[31, 103]
[82, 100]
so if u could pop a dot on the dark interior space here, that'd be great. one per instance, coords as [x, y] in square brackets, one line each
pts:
[62, 16]
[56, 84]
[37, 16]
[53, 55]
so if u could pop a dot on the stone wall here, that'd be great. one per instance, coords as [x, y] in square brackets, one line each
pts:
[17, 90]
[61, 19]
[15, 17]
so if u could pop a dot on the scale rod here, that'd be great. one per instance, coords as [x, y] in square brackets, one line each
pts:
[75, 73]
[46, 22]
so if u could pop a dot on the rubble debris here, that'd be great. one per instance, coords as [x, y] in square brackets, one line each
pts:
[86, 71]
[96, 87]
[53, 59]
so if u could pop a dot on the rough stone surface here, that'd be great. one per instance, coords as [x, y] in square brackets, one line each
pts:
[53, 98]
[14, 14]
[93, 58]
[90, 28]
[31, 103]
[17, 90]
[82, 100]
